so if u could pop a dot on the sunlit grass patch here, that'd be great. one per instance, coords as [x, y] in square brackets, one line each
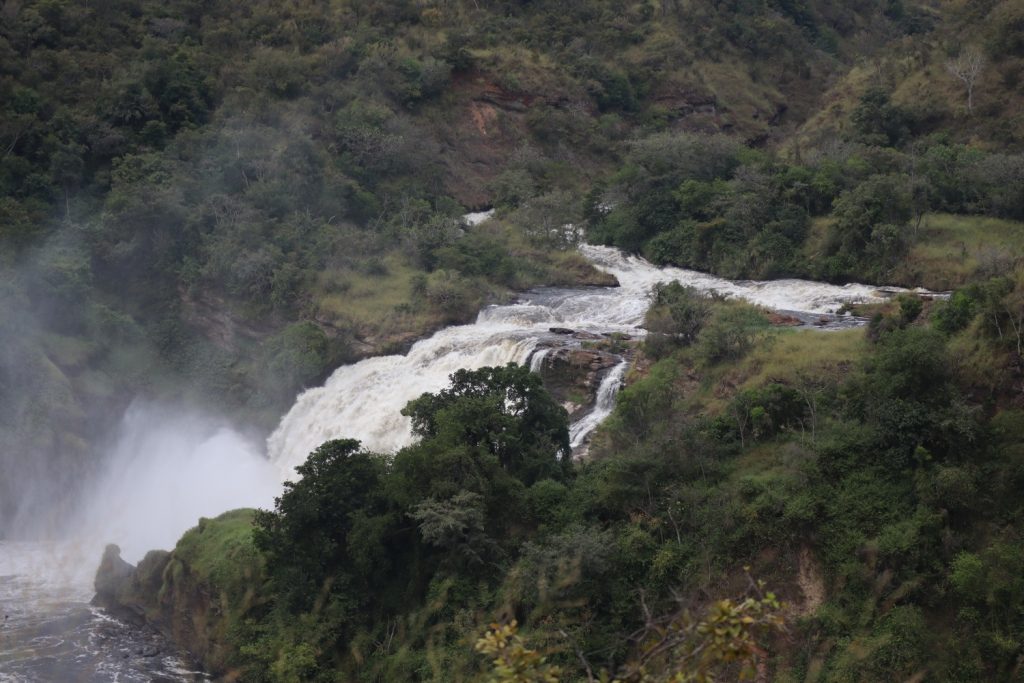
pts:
[951, 250]
[220, 551]
[366, 302]
[786, 358]
[801, 350]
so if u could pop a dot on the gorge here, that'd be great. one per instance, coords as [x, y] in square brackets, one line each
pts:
[168, 468]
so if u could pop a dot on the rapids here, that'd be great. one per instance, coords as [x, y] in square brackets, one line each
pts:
[166, 467]
[364, 400]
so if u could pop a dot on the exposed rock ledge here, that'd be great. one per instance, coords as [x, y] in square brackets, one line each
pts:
[573, 373]
[173, 593]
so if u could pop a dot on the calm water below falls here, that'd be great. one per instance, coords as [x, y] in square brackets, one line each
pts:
[148, 496]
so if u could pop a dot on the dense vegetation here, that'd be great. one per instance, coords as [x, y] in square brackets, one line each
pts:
[219, 202]
[871, 478]
[710, 204]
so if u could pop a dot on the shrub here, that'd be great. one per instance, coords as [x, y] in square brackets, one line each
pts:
[732, 332]
[675, 319]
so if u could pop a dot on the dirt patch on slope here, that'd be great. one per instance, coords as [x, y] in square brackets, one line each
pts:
[811, 581]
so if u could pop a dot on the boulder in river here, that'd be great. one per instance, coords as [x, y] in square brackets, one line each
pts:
[113, 576]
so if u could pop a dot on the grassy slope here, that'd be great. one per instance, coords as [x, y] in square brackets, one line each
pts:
[951, 250]
[914, 70]
[210, 583]
[948, 251]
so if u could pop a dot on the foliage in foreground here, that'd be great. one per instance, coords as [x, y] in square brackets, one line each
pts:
[727, 640]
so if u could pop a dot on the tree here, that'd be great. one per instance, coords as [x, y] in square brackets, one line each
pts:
[727, 640]
[869, 222]
[305, 538]
[455, 525]
[676, 318]
[732, 333]
[878, 121]
[967, 68]
[503, 411]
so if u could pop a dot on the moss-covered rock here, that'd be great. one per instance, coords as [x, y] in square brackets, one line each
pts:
[195, 594]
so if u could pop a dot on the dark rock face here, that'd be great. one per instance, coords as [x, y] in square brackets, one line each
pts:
[113, 575]
[129, 591]
[174, 594]
[573, 373]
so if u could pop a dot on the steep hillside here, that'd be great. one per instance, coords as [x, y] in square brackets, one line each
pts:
[219, 202]
[958, 75]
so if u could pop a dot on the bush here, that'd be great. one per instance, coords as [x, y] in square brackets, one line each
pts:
[676, 317]
[293, 359]
[454, 297]
[732, 332]
[955, 314]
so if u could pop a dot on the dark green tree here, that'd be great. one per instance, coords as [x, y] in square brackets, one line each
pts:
[504, 412]
[306, 537]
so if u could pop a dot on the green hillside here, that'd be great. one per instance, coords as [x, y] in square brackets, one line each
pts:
[218, 203]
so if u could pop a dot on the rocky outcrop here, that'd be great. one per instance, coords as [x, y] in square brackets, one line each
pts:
[127, 590]
[573, 373]
[191, 595]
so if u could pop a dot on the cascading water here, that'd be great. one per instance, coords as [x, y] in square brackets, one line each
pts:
[166, 469]
[603, 406]
[537, 359]
[364, 401]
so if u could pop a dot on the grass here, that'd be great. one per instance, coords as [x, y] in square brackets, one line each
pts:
[789, 355]
[948, 251]
[980, 363]
[952, 250]
[382, 305]
[374, 305]
[362, 299]
[220, 553]
[795, 351]
[212, 579]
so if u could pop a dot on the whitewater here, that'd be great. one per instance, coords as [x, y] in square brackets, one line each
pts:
[364, 400]
[166, 467]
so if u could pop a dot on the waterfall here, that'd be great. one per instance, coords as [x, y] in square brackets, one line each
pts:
[537, 359]
[804, 296]
[167, 466]
[364, 400]
[603, 406]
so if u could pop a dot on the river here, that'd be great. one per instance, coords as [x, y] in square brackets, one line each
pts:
[148, 495]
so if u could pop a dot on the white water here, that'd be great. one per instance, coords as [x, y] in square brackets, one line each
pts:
[537, 359]
[49, 632]
[363, 401]
[477, 217]
[166, 468]
[603, 406]
[805, 296]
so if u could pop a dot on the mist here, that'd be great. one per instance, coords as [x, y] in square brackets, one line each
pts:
[82, 458]
[166, 468]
